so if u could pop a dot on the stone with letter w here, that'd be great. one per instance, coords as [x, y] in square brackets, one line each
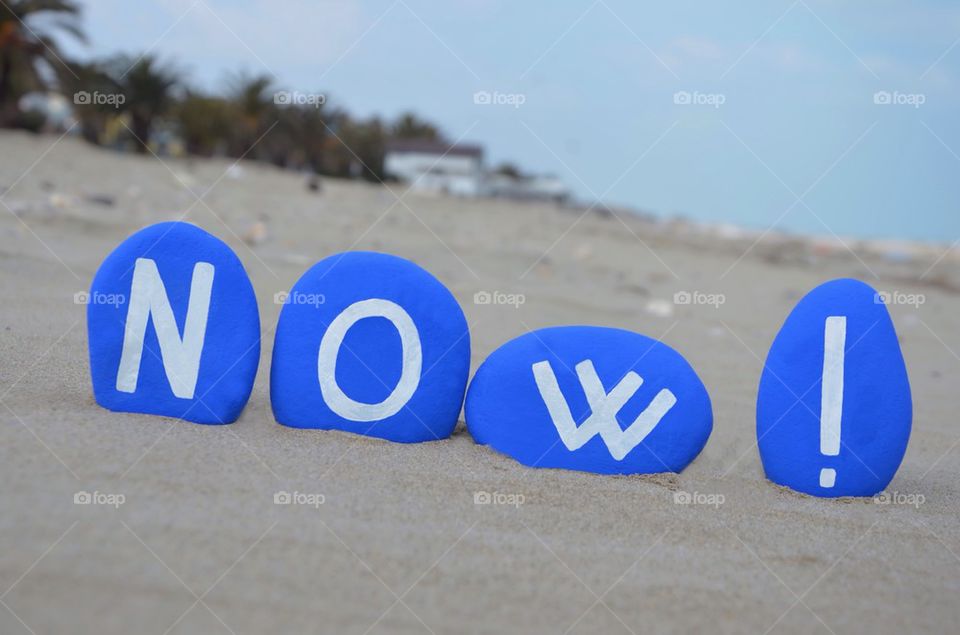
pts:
[604, 407]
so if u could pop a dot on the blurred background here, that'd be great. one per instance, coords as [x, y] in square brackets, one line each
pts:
[836, 119]
[684, 170]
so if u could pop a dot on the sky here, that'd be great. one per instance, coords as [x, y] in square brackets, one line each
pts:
[830, 118]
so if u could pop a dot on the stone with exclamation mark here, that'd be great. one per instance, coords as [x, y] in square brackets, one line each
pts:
[834, 409]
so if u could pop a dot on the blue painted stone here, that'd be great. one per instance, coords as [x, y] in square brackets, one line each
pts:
[372, 344]
[658, 424]
[186, 297]
[808, 388]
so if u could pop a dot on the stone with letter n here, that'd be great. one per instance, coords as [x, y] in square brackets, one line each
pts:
[181, 335]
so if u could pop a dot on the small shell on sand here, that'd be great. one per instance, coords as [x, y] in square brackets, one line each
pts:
[659, 308]
[255, 234]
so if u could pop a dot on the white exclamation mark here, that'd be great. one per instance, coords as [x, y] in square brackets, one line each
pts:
[831, 395]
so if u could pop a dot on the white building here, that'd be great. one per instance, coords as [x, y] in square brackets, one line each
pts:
[526, 188]
[441, 168]
[435, 166]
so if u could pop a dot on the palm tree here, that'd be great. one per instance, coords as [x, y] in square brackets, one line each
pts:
[147, 88]
[409, 126]
[299, 138]
[363, 144]
[93, 117]
[25, 48]
[206, 123]
[253, 99]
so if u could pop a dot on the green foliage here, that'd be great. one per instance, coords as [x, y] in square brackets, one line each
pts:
[131, 98]
[251, 100]
[29, 55]
[409, 126]
[509, 169]
[360, 147]
[89, 78]
[147, 87]
[206, 123]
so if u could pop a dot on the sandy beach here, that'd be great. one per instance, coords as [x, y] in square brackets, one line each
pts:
[398, 544]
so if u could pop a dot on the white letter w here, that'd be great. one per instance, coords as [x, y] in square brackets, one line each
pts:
[181, 356]
[604, 407]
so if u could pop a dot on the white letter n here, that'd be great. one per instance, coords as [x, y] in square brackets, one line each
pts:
[180, 356]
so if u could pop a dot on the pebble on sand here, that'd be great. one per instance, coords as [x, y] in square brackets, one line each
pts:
[372, 344]
[834, 407]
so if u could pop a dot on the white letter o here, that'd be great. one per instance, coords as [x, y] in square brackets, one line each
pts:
[412, 354]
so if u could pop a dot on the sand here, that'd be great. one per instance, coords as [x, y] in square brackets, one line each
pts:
[398, 545]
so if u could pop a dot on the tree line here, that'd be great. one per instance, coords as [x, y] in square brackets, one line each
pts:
[140, 102]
